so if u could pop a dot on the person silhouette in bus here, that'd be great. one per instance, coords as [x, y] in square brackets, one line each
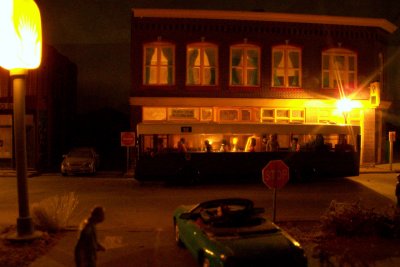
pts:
[294, 145]
[319, 144]
[182, 146]
[207, 145]
[253, 143]
[160, 145]
[225, 147]
[272, 143]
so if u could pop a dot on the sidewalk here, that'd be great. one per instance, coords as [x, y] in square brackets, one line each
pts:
[12, 173]
[33, 173]
[381, 168]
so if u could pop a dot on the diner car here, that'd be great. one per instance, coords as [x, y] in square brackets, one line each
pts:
[232, 232]
[218, 152]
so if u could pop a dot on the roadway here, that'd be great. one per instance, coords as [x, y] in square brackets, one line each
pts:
[138, 227]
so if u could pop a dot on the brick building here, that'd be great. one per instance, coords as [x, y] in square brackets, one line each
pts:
[245, 67]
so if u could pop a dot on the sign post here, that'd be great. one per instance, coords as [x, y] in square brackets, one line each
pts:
[275, 175]
[127, 140]
[392, 138]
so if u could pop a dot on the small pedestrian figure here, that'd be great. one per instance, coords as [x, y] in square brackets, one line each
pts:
[398, 191]
[87, 245]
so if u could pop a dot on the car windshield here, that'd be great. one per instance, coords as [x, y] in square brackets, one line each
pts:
[80, 154]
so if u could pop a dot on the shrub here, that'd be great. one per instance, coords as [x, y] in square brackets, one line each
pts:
[52, 214]
[352, 219]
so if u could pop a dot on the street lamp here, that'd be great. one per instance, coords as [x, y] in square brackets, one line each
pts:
[344, 106]
[20, 50]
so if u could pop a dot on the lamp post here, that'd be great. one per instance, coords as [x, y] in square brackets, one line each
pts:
[20, 50]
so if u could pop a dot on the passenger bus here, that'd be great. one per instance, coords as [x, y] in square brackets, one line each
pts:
[324, 150]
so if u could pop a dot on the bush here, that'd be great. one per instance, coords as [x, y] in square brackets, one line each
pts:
[352, 219]
[52, 214]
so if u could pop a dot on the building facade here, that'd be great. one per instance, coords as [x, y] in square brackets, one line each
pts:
[247, 68]
[50, 108]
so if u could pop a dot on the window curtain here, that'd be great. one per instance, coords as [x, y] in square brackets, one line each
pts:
[252, 67]
[278, 61]
[149, 54]
[192, 55]
[294, 60]
[210, 69]
[168, 54]
[237, 56]
[293, 73]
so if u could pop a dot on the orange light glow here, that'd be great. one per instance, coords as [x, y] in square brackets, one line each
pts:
[346, 105]
[20, 34]
[235, 140]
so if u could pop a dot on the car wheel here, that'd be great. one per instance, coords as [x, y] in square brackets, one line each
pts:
[178, 236]
[206, 262]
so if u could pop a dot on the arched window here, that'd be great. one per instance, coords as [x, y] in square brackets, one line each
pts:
[339, 69]
[159, 63]
[202, 64]
[286, 66]
[245, 65]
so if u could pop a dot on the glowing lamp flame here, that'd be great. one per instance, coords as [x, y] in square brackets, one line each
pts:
[20, 34]
[235, 140]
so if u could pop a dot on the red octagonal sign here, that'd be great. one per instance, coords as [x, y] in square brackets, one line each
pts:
[127, 138]
[275, 174]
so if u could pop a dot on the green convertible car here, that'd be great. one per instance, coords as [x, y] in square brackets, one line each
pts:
[232, 232]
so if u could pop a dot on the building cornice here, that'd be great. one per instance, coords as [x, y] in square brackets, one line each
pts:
[266, 16]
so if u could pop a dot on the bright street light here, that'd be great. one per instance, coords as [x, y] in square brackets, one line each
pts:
[20, 50]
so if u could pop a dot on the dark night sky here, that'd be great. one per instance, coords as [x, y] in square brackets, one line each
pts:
[95, 34]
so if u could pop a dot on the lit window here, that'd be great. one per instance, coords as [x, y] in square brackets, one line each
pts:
[286, 66]
[245, 65]
[158, 64]
[339, 69]
[201, 64]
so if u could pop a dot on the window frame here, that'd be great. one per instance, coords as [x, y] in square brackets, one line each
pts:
[286, 49]
[333, 83]
[245, 68]
[202, 67]
[158, 46]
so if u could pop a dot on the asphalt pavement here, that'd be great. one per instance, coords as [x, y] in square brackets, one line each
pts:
[380, 178]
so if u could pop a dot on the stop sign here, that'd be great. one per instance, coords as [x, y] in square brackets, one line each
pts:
[275, 174]
[127, 138]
